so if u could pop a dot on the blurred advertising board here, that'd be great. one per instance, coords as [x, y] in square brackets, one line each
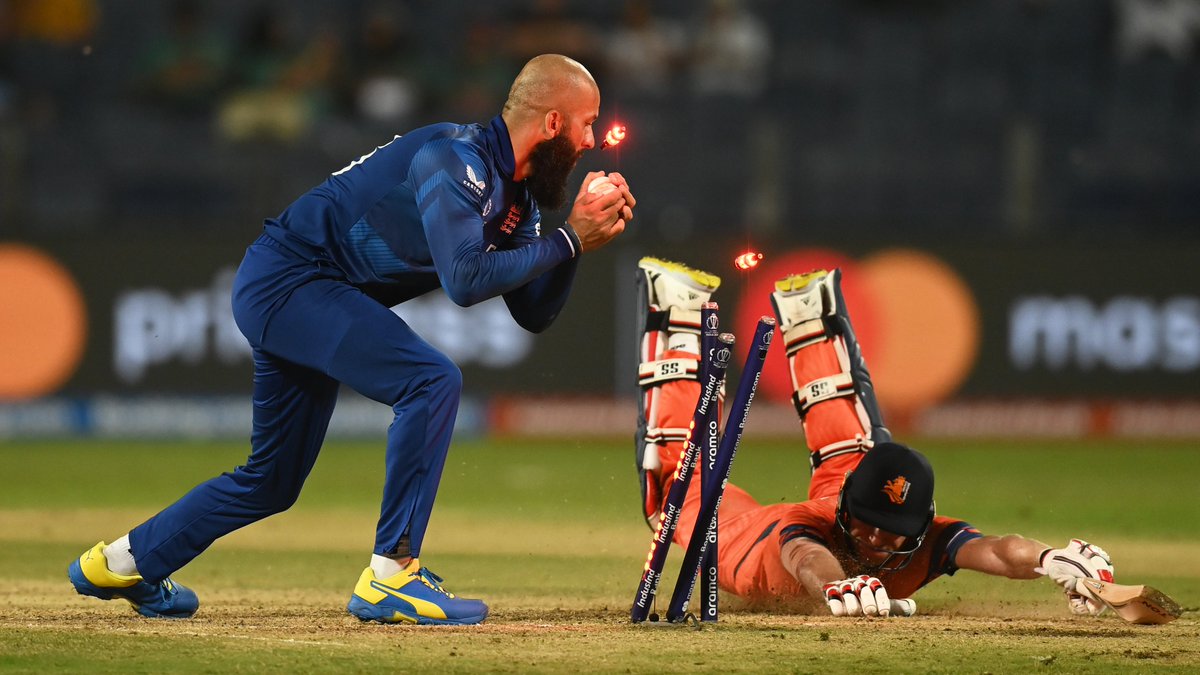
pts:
[145, 316]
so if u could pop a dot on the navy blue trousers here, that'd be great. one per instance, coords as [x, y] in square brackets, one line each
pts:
[311, 331]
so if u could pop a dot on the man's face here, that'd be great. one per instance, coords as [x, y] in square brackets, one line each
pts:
[580, 114]
[874, 545]
[552, 160]
[551, 163]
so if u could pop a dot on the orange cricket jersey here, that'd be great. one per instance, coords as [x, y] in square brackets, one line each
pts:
[751, 536]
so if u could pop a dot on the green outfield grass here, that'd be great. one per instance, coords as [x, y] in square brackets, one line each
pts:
[550, 534]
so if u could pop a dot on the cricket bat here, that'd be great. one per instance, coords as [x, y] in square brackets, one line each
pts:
[1135, 604]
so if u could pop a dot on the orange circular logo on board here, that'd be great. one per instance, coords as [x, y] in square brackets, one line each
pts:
[43, 323]
[915, 319]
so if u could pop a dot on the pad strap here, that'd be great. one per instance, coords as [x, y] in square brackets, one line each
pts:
[857, 444]
[665, 370]
[823, 389]
[683, 320]
[675, 328]
[663, 435]
[804, 334]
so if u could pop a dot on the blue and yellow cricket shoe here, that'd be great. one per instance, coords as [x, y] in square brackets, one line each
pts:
[165, 600]
[415, 595]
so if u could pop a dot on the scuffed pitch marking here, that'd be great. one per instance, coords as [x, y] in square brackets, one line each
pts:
[191, 633]
[259, 638]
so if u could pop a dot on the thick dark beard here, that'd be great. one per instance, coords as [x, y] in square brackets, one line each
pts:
[551, 163]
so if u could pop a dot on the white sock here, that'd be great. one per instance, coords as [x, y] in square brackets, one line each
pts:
[120, 558]
[385, 567]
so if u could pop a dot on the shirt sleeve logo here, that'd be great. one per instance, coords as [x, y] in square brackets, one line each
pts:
[473, 183]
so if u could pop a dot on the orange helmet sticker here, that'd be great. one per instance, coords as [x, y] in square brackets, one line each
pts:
[896, 489]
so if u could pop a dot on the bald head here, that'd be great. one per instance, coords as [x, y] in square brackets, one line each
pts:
[549, 113]
[549, 81]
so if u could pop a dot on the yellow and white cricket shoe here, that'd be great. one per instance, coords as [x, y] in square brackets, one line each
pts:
[89, 574]
[803, 299]
[414, 595]
[671, 284]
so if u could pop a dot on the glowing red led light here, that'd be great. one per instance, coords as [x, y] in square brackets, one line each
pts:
[614, 136]
[748, 260]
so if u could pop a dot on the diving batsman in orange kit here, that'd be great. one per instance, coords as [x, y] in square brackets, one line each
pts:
[868, 536]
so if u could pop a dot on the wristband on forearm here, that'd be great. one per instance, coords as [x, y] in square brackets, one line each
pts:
[572, 239]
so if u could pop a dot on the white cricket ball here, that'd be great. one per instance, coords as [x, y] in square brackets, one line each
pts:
[601, 185]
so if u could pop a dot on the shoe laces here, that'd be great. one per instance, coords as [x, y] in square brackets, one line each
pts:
[433, 581]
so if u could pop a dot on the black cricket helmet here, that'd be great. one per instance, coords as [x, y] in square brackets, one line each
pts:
[891, 489]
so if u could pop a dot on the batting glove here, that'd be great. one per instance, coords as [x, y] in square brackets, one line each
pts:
[1077, 560]
[857, 596]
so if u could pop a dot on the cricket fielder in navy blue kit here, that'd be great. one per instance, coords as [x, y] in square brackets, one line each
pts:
[449, 205]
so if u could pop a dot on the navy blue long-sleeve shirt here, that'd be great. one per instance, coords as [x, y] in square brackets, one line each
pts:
[436, 207]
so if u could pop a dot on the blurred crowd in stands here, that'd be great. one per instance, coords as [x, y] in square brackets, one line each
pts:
[784, 118]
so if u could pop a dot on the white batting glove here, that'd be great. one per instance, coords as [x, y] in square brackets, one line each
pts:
[857, 596]
[1077, 560]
